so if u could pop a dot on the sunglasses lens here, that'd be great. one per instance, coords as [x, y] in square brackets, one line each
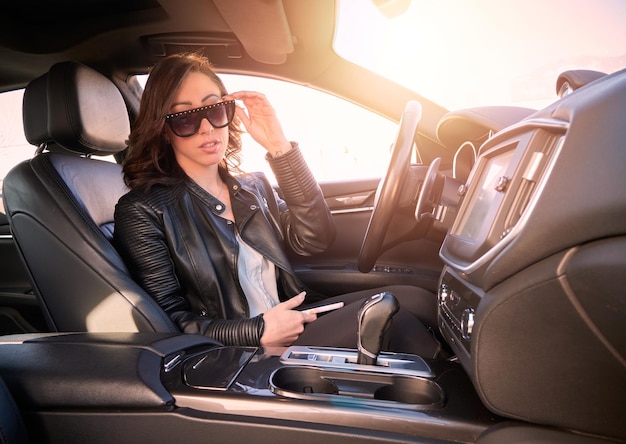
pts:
[217, 116]
[220, 116]
[188, 123]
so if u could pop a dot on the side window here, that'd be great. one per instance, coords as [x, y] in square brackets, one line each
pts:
[13, 145]
[339, 139]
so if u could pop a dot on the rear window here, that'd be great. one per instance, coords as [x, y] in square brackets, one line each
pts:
[13, 145]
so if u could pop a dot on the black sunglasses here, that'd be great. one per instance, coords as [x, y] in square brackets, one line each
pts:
[187, 123]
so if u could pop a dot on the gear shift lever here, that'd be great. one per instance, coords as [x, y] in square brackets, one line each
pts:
[374, 320]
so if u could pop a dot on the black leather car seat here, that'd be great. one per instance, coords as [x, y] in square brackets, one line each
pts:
[60, 205]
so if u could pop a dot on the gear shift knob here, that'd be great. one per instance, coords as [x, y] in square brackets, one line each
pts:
[374, 320]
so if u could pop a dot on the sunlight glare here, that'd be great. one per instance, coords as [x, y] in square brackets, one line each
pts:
[484, 52]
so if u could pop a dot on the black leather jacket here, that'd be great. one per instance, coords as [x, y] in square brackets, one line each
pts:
[184, 254]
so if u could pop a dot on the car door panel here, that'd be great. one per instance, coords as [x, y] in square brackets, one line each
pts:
[334, 271]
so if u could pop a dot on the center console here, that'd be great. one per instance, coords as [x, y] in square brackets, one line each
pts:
[159, 386]
[327, 387]
[320, 374]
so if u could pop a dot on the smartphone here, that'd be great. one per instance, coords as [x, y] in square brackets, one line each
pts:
[324, 308]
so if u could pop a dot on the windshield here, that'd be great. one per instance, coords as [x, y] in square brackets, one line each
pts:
[462, 53]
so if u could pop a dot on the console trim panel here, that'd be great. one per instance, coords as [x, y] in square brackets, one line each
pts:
[341, 358]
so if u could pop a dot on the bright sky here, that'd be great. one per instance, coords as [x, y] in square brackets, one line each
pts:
[13, 144]
[463, 53]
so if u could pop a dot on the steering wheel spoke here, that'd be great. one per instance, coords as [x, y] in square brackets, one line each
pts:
[390, 188]
[427, 203]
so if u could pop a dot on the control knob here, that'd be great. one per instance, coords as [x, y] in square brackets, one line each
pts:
[467, 323]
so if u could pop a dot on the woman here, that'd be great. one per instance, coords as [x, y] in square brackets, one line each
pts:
[209, 244]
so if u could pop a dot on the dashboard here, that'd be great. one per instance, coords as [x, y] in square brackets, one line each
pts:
[531, 295]
[504, 188]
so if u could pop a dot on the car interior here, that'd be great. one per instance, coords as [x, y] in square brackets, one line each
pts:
[522, 242]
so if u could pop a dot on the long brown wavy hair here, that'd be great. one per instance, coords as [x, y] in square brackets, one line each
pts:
[150, 158]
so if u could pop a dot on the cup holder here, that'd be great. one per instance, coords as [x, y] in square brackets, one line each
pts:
[324, 384]
[410, 391]
[303, 380]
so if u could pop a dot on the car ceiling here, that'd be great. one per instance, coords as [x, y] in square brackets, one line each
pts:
[130, 35]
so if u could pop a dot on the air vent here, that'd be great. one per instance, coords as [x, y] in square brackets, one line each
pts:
[535, 164]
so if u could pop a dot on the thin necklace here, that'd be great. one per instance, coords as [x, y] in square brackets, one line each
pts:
[219, 195]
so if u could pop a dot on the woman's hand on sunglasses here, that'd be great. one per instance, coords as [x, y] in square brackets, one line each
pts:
[261, 121]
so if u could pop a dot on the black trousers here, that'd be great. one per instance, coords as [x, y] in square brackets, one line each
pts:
[411, 330]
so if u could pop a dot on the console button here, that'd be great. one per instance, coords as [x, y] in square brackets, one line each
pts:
[467, 323]
[444, 292]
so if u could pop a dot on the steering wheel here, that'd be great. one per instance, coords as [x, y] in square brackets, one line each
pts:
[388, 192]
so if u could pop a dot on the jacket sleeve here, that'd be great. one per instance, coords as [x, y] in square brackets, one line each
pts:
[305, 219]
[235, 332]
[140, 240]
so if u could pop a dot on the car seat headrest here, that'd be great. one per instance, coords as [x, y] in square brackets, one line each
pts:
[77, 109]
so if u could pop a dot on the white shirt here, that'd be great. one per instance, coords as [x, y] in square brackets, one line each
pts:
[257, 277]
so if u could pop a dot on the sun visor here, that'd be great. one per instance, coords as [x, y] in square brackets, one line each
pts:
[262, 28]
